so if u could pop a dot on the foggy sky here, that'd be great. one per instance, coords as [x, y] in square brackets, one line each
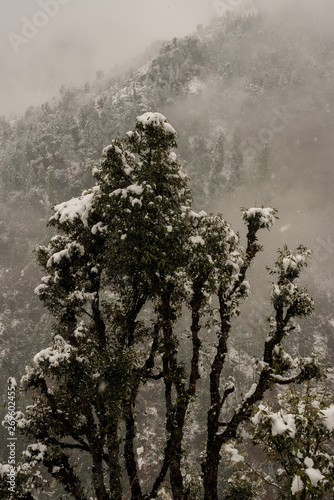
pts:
[84, 36]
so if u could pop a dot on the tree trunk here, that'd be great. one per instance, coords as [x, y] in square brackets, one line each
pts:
[210, 472]
[174, 425]
[114, 467]
[97, 474]
[129, 454]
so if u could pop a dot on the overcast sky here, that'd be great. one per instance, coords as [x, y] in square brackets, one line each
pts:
[67, 41]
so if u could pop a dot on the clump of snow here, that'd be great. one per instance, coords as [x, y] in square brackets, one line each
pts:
[197, 240]
[257, 417]
[140, 451]
[76, 208]
[155, 119]
[66, 252]
[263, 217]
[168, 128]
[308, 462]
[283, 422]
[329, 417]
[250, 392]
[39, 450]
[141, 463]
[293, 262]
[39, 289]
[12, 382]
[133, 188]
[314, 474]
[297, 485]
[280, 422]
[21, 421]
[135, 201]
[136, 189]
[235, 457]
[4, 469]
[56, 355]
[99, 227]
[106, 149]
[80, 330]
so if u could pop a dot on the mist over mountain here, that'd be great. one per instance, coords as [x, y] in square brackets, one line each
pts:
[49, 43]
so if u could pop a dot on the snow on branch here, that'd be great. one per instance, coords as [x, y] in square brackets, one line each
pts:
[290, 264]
[156, 120]
[75, 209]
[53, 356]
[259, 218]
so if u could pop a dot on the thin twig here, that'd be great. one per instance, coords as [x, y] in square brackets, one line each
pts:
[129, 490]
[263, 478]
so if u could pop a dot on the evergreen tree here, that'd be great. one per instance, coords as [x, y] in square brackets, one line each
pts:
[129, 258]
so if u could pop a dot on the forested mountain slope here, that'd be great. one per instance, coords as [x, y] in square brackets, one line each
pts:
[253, 107]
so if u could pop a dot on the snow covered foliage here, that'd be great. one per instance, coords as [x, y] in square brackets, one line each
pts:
[298, 438]
[259, 218]
[131, 257]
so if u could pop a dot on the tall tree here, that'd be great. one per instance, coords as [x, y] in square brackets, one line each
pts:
[131, 257]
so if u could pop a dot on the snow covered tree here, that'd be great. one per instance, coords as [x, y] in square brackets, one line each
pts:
[107, 261]
[129, 260]
[298, 438]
